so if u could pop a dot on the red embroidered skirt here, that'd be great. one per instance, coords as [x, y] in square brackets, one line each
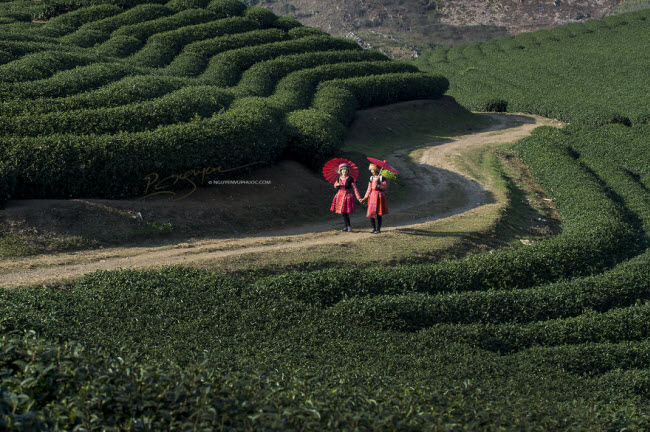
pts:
[343, 201]
[377, 204]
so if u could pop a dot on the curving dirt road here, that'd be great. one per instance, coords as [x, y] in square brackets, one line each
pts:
[439, 181]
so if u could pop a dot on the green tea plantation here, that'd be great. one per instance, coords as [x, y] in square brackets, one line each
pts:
[105, 93]
[593, 72]
[551, 336]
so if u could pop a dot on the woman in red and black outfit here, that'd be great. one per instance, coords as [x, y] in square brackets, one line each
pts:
[377, 205]
[343, 202]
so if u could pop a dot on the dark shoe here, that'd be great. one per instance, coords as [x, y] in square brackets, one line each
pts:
[345, 229]
[373, 232]
[377, 232]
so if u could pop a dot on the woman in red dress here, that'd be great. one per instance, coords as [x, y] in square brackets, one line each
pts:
[343, 202]
[377, 206]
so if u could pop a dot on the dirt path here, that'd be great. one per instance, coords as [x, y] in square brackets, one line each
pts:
[438, 177]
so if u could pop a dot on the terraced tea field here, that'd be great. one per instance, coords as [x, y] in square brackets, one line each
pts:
[547, 336]
[591, 73]
[97, 99]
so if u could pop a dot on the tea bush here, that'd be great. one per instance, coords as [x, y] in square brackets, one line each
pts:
[176, 107]
[262, 77]
[99, 31]
[69, 22]
[577, 73]
[73, 81]
[104, 77]
[195, 56]
[225, 69]
[117, 165]
[122, 92]
[144, 30]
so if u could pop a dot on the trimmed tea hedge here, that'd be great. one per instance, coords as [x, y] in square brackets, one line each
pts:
[211, 47]
[71, 82]
[119, 46]
[122, 92]
[162, 48]
[227, 8]
[225, 69]
[376, 90]
[181, 5]
[194, 58]
[143, 31]
[615, 325]
[116, 165]
[312, 136]
[261, 78]
[176, 107]
[99, 31]
[120, 75]
[55, 8]
[42, 65]
[620, 287]
[581, 73]
[71, 21]
[296, 90]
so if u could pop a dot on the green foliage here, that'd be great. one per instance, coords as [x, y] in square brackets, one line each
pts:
[99, 31]
[194, 59]
[584, 73]
[128, 90]
[278, 364]
[261, 78]
[620, 287]
[69, 22]
[119, 46]
[225, 69]
[70, 82]
[7, 182]
[312, 136]
[211, 47]
[21, 11]
[301, 32]
[176, 107]
[5, 57]
[118, 165]
[336, 101]
[296, 90]
[54, 8]
[287, 23]
[181, 5]
[227, 8]
[177, 39]
[41, 65]
[263, 17]
[142, 31]
[108, 82]
[392, 87]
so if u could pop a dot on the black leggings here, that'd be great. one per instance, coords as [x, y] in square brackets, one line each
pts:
[346, 219]
[372, 222]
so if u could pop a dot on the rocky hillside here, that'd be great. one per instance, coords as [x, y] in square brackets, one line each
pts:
[404, 27]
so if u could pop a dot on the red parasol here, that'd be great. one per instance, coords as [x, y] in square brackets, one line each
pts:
[383, 164]
[331, 169]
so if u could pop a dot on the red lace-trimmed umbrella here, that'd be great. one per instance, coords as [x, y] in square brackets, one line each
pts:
[331, 169]
[383, 164]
